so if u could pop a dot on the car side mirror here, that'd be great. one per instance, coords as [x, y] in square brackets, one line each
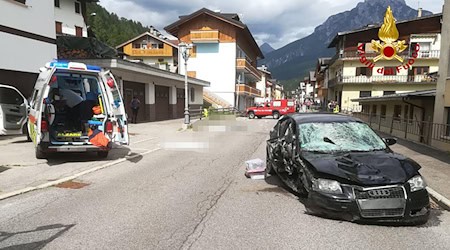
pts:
[390, 141]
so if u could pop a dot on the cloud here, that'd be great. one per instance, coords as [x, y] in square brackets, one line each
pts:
[273, 21]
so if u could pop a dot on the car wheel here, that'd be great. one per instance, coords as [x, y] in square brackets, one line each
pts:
[102, 154]
[251, 115]
[259, 117]
[40, 154]
[276, 115]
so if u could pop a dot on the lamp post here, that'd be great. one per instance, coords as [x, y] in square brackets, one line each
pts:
[184, 49]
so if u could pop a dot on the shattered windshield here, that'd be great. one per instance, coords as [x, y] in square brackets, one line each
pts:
[339, 136]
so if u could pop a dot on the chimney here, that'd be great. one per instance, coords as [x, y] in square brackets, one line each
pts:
[419, 12]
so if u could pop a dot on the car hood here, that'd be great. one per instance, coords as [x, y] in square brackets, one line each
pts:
[365, 168]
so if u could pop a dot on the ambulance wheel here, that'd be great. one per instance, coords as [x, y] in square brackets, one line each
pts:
[102, 154]
[40, 154]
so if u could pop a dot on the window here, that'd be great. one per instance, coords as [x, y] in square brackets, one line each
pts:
[397, 112]
[406, 113]
[365, 108]
[277, 103]
[57, 3]
[192, 95]
[160, 60]
[10, 96]
[78, 31]
[390, 71]
[374, 109]
[383, 111]
[136, 45]
[388, 92]
[448, 121]
[154, 46]
[365, 93]
[77, 7]
[58, 27]
[363, 71]
[160, 46]
[411, 113]
[419, 71]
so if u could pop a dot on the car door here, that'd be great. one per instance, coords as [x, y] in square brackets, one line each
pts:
[275, 143]
[116, 109]
[13, 107]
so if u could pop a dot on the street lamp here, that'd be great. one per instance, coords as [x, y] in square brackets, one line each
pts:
[184, 49]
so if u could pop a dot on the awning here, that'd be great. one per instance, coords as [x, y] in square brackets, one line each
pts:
[399, 96]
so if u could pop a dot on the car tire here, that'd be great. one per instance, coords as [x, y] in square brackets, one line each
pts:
[251, 115]
[40, 154]
[102, 154]
[276, 115]
[259, 117]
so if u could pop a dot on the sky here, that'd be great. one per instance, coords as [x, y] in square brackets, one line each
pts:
[277, 22]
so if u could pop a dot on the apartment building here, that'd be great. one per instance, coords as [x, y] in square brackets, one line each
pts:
[224, 53]
[360, 71]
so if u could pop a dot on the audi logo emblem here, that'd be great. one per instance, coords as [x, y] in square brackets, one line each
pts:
[379, 193]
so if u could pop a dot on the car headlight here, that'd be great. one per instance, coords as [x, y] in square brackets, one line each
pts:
[417, 183]
[327, 186]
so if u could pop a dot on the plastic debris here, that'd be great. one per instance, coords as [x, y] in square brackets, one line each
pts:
[255, 169]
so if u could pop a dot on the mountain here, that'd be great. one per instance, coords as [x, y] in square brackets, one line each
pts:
[297, 58]
[109, 28]
[266, 48]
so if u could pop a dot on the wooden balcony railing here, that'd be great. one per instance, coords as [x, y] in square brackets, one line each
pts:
[242, 64]
[243, 89]
[204, 35]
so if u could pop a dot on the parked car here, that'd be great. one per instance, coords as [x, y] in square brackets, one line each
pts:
[274, 108]
[345, 170]
[76, 108]
[13, 111]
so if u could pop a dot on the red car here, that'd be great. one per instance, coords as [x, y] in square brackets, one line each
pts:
[275, 108]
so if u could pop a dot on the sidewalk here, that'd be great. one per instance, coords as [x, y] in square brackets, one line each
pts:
[435, 163]
[20, 170]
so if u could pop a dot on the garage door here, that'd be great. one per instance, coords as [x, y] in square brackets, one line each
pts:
[162, 103]
[180, 103]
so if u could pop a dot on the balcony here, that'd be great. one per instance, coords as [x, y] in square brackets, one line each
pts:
[243, 65]
[204, 36]
[243, 89]
[165, 51]
[354, 54]
[382, 79]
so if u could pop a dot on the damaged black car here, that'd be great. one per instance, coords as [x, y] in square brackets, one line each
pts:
[345, 170]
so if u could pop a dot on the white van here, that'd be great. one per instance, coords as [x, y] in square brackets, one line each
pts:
[71, 104]
[13, 111]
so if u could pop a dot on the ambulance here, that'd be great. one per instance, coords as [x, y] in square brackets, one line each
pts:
[76, 107]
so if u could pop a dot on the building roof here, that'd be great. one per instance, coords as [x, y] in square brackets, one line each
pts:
[377, 26]
[231, 18]
[422, 93]
[143, 68]
[144, 34]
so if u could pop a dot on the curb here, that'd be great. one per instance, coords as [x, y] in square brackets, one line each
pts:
[59, 181]
[439, 199]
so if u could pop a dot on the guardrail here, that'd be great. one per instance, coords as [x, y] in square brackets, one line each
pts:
[416, 130]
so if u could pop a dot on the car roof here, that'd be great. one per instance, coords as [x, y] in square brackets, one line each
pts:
[322, 118]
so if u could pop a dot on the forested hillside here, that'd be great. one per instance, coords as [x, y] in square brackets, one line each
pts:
[111, 29]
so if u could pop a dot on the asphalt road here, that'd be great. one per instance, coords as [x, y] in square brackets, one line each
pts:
[193, 195]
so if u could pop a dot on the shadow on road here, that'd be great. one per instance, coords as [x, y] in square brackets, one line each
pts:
[61, 158]
[40, 236]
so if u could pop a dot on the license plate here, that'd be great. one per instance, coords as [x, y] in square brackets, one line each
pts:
[382, 203]
[71, 150]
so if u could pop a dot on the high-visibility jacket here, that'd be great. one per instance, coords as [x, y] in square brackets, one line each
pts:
[336, 109]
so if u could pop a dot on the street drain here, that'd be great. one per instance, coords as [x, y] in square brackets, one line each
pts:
[2, 168]
[72, 185]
